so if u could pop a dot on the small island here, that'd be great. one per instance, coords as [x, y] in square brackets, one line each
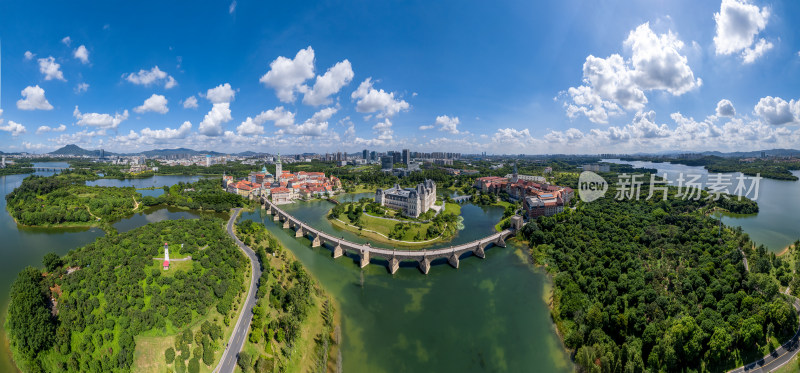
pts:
[401, 217]
[64, 200]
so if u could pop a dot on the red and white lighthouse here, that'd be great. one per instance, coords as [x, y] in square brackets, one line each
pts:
[166, 256]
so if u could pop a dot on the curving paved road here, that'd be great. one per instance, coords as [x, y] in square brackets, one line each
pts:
[231, 354]
[777, 358]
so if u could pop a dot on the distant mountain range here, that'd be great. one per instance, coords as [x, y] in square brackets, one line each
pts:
[75, 150]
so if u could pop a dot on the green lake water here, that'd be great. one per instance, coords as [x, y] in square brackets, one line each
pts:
[486, 316]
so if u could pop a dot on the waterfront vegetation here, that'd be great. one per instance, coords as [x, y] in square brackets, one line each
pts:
[204, 194]
[235, 169]
[778, 169]
[20, 167]
[65, 200]
[658, 285]
[388, 225]
[90, 307]
[293, 327]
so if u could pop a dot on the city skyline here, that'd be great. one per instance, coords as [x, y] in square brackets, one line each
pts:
[557, 78]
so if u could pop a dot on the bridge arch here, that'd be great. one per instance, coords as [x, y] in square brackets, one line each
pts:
[393, 257]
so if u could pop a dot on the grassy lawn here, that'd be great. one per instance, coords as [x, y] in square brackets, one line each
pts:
[175, 266]
[498, 226]
[384, 227]
[379, 229]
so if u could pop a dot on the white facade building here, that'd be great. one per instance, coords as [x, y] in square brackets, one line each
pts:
[411, 201]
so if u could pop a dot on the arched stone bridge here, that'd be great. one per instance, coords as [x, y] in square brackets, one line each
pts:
[365, 252]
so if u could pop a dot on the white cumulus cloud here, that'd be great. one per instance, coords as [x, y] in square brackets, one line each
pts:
[370, 100]
[725, 108]
[66, 40]
[315, 126]
[220, 94]
[81, 87]
[29, 55]
[167, 133]
[148, 77]
[738, 24]
[612, 85]
[750, 55]
[104, 121]
[777, 111]
[14, 128]
[50, 69]
[44, 129]
[82, 54]
[447, 124]
[287, 75]
[328, 84]
[33, 99]
[155, 103]
[190, 103]
[212, 123]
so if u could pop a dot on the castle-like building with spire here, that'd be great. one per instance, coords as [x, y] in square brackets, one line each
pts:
[411, 201]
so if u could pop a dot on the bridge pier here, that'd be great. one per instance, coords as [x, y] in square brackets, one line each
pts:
[394, 265]
[316, 242]
[425, 265]
[337, 251]
[276, 218]
[286, 224]
[500, 241]
[364, 258]
[453, 260]
[479, 251]
[299, 231]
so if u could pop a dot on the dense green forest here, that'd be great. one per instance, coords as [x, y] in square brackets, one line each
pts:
[287, 299]
[768, 168]
[659, 286]
[206, 194]
[64, 198]
[235, 169]
[84, 312]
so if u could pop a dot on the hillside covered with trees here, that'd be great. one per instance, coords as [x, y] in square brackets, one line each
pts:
[65, 199]
[659, 286]
[83, 313]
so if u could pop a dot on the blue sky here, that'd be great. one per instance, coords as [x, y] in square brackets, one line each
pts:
[501, 77]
